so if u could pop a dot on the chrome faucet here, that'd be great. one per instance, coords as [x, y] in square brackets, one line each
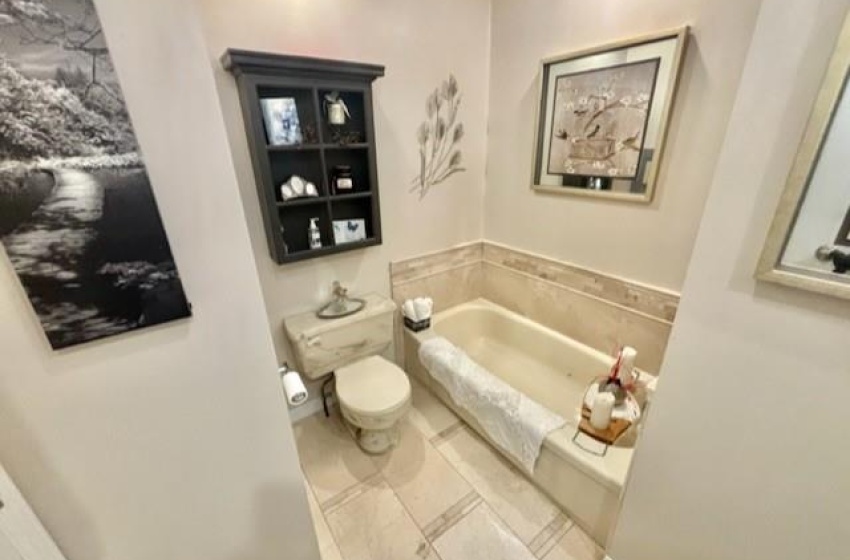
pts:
[340, 305]
[340, 294]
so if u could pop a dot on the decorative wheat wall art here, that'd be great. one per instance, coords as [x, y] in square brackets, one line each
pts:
[439, 138]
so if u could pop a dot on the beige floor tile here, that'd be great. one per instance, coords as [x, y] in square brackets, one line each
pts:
[327, 547]
[330, 457]
[451, 516]
[575, 545]
[423, 480]
[516, 500]
[481, 535]
[428, 414]
[548, 537]
[375, 526]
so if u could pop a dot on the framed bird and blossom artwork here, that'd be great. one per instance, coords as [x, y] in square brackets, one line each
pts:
[602, 117]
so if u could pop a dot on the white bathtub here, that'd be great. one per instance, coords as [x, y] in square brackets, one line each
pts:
[554, 370]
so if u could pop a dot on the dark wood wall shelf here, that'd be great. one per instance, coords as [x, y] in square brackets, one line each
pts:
[262, 76]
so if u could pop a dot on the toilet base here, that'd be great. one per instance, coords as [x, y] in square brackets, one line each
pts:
[373, 441]
[377, 442]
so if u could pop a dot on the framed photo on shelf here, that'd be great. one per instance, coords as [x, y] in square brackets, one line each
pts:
[602, 117]
[281, 117]
[349, 231]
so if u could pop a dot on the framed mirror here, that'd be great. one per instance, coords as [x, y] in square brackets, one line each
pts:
[602, 117]
[808, 246]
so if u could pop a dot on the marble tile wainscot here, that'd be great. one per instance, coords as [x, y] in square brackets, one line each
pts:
[451, 277]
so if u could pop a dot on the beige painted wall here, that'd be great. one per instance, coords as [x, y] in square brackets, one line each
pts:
[420, 43]
[650, 244]
[744, 453]
[171, 443]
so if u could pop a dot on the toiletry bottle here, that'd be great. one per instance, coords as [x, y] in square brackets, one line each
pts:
[313, 235]
[283, 238]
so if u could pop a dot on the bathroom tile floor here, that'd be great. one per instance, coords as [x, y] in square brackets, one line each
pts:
[441, 494]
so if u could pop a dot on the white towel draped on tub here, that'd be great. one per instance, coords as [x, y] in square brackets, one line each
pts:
[512, 420]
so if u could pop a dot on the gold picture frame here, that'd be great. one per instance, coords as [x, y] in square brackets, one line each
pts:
[638, 182]
[771, 267]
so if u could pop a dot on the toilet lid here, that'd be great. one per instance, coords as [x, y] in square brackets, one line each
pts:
[372, 386]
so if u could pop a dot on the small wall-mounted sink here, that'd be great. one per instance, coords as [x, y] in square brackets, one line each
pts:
[341, 308]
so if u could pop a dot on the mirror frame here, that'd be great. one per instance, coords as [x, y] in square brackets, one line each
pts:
[651, 173]
[832, 90]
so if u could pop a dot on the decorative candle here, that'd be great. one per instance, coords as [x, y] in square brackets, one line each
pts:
[342, 178]
[601, 411]
[336, 113]
[627, 365]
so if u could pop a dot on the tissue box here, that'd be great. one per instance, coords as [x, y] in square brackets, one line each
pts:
[417, 326]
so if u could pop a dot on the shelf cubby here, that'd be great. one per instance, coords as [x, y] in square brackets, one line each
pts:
[308, 118]
[305, 164]
[353, 208]
[358, 160]
[355, 128]
[295, 222]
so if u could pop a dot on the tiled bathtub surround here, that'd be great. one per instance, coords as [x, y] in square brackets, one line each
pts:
[450, 277]
[599, 310]
[636, 297]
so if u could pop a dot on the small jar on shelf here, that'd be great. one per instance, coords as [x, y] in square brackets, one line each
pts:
[342, 180]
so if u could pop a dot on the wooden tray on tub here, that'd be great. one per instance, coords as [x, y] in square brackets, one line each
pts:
[608, 436]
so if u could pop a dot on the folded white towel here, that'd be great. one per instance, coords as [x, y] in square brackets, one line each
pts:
[408, 310]
[422, 307]
[513, 421]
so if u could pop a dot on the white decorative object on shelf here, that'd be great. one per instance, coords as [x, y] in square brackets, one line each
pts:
[297, 187]
[337, 109]
[314, 236]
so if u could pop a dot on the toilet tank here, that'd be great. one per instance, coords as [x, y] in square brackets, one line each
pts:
[323, 345]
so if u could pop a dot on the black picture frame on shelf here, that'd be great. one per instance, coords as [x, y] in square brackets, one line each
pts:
[280, 115]
[323, 147]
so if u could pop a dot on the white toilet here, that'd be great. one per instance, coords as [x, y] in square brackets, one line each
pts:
[373, 393]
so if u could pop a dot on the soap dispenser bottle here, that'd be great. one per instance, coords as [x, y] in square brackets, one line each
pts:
[313, 235]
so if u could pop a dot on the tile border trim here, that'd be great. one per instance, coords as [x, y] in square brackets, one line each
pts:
[665, 298]
[579, 292]
[662, 304]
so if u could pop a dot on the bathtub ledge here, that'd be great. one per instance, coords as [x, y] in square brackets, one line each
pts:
[609, 470]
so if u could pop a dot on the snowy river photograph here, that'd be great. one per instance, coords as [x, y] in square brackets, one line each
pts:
[78, 219]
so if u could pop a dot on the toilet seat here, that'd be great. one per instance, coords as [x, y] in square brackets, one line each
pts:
[372, 388]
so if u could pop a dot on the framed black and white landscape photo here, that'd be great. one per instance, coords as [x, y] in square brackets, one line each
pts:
[78, 219]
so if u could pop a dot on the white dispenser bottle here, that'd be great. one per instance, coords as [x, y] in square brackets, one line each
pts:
[313, 235]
